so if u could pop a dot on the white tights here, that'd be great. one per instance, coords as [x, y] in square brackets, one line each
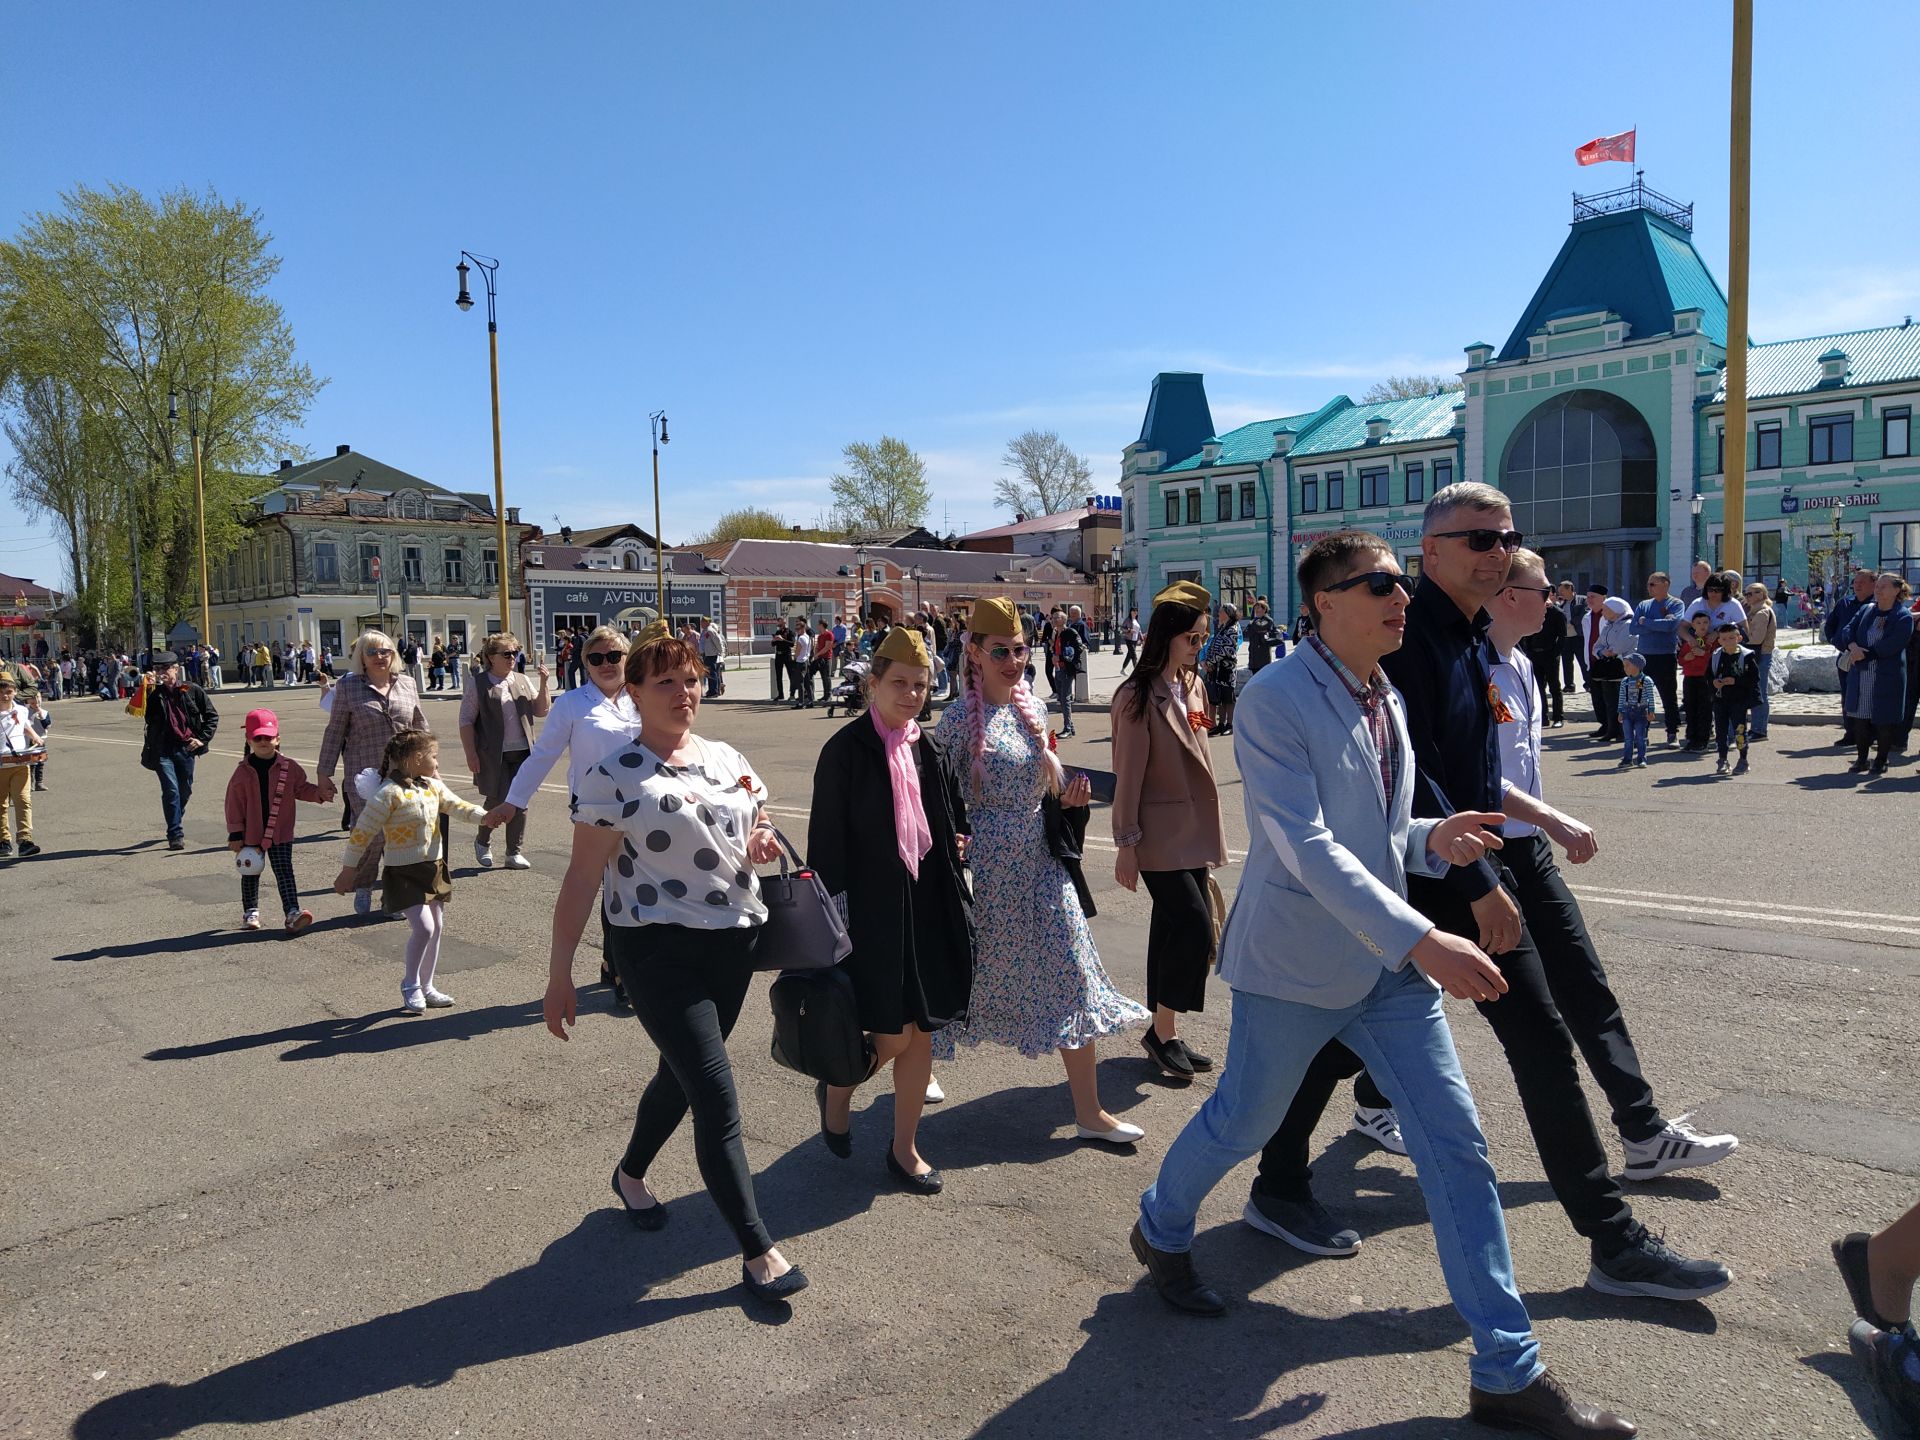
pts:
[423, 945]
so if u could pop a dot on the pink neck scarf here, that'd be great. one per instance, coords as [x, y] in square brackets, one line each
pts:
[909, 814]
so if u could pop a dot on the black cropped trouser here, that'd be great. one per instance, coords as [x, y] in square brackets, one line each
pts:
[1179, 939]
[687, 987]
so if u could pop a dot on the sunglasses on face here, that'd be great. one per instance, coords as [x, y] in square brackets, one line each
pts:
[505, 655]
[1001, 654]
[1379, 583]
[605, 657]
[1484, 540]
[1543, 591]
[379, 654]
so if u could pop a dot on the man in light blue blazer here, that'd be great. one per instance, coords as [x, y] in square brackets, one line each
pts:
[1322, 944]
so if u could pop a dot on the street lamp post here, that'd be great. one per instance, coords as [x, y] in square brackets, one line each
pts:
[919, 596]
[657, 422]
[860, 555]
[489, 269]
[199, 499]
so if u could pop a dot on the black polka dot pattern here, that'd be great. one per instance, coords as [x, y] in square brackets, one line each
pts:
[669, 804]
[625, 866]
[716, 897]
[676, 888]
[646, 897]
[707, 859]
[659, 841]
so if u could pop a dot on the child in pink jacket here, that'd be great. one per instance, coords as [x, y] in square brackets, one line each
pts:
[261, 799]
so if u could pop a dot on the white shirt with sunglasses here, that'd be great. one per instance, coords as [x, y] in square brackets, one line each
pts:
[588, 726]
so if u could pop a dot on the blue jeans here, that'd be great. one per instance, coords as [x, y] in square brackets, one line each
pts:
[1400, 1031]
[1762, 701]
[1063, 692]
[176, 789]
[1633, 726]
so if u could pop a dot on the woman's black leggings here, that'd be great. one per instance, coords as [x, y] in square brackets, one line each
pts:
[687, 987]
[1179, 939]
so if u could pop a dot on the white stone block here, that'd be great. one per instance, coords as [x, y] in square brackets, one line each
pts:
[1811, 670]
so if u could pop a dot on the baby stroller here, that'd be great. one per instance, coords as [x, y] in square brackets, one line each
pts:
[849, 692]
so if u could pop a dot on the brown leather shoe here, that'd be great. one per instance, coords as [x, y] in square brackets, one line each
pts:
[1173, 1276]
[1545, 1408]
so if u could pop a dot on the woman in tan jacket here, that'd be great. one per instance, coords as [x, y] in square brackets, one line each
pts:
[1763, 629]
[1166, 814]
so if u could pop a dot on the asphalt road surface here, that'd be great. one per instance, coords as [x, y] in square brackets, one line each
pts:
[242, 1194]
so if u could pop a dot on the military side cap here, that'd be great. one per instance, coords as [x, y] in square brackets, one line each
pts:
[1185, 592]
[993, 617]
[656, 632]
[906, 646]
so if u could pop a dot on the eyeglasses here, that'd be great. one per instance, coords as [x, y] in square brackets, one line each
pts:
[372, 654]
[1196, 637]
[1484, 540]
[605, 657]
[509, 654]
[1001, 654]
[1543, 591]
[1379, 583]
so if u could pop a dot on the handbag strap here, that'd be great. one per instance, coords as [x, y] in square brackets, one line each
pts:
[786, 849]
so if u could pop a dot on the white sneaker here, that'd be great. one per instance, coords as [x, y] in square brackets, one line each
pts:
[250, 920]
[1380, 1126]
[437, 999]
[412, 1002]
[483, 854]
[517, 861]
[1678, 1147]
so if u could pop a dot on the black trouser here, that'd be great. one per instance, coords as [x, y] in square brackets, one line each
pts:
[1569, 657]
[1606, 703]
[1284, 1172]
[280, 857]
[1662, 670]
[782, 669]
[1912, 703]
[1133, 657]
[1730, 725]
[1546, 679]
[687, 987]
[1864, 733]
[1579, 985]
[1699, 692]
[1179, 939]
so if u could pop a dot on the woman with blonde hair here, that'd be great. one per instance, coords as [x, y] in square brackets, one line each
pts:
[1763, 628]
[888, 829]
[1038, 985]
[372, 703]
[495, 733]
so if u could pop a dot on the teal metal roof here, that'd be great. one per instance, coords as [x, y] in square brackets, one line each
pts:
[1425, 417]
[1791, 367]
[1178, 418]
[1250, 443]
[1634, 263]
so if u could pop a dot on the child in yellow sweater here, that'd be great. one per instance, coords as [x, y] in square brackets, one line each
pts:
[410, 809]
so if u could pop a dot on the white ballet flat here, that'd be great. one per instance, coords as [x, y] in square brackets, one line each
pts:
[1121, 1134]
[934, 1093]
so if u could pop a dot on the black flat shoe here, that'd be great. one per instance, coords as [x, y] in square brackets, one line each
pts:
[840, 1143]
[930, 1183]
[611, 977]
[1850, 1255]
[1193, 1056]
[1168, 1055]
[781, 1287]
[652, 1217]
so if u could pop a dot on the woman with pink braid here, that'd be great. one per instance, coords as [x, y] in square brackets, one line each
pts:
[1038, 985]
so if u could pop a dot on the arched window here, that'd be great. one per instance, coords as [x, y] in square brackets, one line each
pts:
[1580, 463]
[629, 561]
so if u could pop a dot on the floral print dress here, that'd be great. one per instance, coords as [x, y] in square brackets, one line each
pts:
[1038, 984]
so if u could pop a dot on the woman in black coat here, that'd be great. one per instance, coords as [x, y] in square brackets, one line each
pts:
[912, 960]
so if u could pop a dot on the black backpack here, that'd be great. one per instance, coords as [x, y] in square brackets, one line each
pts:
[816, 1026]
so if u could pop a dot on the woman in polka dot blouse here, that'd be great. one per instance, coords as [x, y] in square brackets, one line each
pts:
[671, 825]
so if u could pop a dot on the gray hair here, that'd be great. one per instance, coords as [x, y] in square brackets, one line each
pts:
[1465, 495]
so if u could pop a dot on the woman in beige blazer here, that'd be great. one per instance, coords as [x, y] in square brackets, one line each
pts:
[1166, 814]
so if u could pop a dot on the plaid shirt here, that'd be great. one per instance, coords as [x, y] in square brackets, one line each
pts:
[1371, 697]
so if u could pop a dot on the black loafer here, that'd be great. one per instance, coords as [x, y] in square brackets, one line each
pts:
[1168, 1055]
[781, 1287]
[651, 1217]
[931, 1183]
[1850, 1255]
[840, 1143]
[1193, 1057]
[1173, 1276]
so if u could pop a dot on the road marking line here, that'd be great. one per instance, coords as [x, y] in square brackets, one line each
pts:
[1695, 900]
[1695, 912]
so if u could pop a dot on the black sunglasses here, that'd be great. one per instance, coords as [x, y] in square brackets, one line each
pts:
[1543, 591]
[1484, 540]
[1379, 583]
[605, 657]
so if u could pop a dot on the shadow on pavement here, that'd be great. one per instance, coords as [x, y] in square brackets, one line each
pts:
[1851, 1373]
[372, 1034]
[209, 939]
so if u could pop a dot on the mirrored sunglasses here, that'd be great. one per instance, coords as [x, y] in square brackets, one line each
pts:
[1001, 654]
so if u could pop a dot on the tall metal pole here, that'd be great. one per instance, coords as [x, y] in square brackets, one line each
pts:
[200, 507]
[657, 425]
[1733, 545]
[499, 477]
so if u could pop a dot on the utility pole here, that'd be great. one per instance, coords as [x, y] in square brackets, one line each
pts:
[1733, 545]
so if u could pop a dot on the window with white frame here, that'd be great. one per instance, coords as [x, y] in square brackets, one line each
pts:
[453, 565]
[1830, 439]
[1896, 432]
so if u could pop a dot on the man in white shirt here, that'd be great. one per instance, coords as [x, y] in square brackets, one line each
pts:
[713, 650]
[1574, 974]
[802, 673]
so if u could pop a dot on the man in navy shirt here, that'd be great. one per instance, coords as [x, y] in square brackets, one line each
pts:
[1444, 671]
[1656, 627]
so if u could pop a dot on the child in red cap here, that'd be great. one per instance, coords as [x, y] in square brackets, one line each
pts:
[261, 798]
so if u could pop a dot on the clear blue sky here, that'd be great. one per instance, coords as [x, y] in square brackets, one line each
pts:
[796, 225]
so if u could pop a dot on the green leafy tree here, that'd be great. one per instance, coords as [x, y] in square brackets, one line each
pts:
[753, 523]
[883, 487]
[1408, 387]
[1047, 477]
[121, 300]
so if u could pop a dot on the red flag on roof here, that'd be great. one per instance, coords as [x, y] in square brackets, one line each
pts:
[1607, 147]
